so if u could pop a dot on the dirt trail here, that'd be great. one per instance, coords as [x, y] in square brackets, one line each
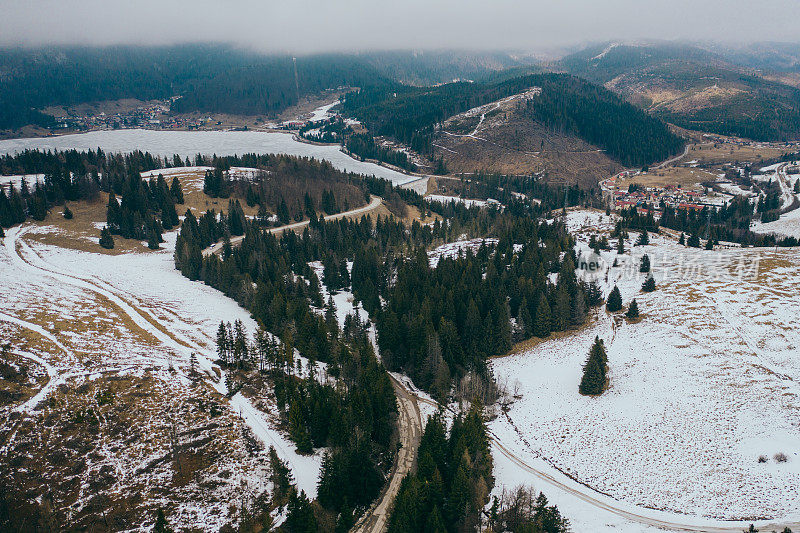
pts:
[409, 423]
[235, 241]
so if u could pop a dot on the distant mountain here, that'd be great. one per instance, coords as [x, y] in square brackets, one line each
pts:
[694, 87]
[554, 105]
[776, 57]
[442, 66]
[211, 78]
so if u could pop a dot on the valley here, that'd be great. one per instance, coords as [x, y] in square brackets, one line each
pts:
[392, 291]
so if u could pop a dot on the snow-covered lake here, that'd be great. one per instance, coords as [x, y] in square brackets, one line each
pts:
[190, 143]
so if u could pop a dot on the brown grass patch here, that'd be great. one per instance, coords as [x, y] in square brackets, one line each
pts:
[727, 152]
[683, 176]
[533, 342]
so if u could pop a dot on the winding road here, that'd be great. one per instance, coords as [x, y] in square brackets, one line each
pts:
[409, 417]
[409, 423]
[636, 514]
[375, 201]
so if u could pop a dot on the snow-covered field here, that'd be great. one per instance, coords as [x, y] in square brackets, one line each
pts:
[788, 224]
[700, 389]
[190, 143]
[16, 180]
[454, 249]
[92, 314]
[322, 112]
[466, 201]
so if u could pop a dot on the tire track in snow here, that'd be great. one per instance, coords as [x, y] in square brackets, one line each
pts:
[240, 404]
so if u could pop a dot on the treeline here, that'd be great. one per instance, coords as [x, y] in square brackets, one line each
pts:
[351, 415]
[598, 116]
[751, 114]
[566, 103]
[267, 84]
[364, 147]
[72, 176]
[409, 114]
[291, 188]
[332, 130]
[729, 222]
[147, 208]
[453, 479]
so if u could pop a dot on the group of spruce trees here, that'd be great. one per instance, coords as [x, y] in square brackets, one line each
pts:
[352, 414]
[453, 480]
[147, 209]
[441, 322]
[729, 222]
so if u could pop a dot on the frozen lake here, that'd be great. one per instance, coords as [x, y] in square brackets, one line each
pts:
[190, 143]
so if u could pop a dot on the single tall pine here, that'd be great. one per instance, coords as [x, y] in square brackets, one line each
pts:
[593, 381]
[633, 310]
[644, 238]
[614, 302]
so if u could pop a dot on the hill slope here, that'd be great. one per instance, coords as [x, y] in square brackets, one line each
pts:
[561, 106]
[693, 88]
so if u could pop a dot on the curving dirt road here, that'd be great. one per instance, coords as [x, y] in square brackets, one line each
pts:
[409, 424]
[375, 201]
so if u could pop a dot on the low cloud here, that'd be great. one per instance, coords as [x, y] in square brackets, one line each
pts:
[304, 26]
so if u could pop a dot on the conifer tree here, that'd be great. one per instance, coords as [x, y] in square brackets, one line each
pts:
[152, 239]
[541, 323]
[620, 246]
[297, 428]
[633, 310]
[614, 302]
[593, 381]
[644, 266]
[594, 295]
[300, 515]
[176, 191]
[161, 525]
[67, 213]
[643, 239]
[283, 212]
[524, 319]
[682, 239]
[710, 244]
[693, 241]
[649, 284]
[106, 240]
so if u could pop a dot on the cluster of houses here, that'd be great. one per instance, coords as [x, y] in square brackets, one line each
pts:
[153, 116]
[618, 196]
[146, 116]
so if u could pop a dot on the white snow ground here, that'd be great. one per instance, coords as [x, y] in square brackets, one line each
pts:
[705, 384]
[64, 285]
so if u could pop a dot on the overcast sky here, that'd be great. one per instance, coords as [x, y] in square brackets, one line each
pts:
[339, 25]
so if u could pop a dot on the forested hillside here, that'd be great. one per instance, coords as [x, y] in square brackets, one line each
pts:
[695, 88]
[210, 78]
[566, 104]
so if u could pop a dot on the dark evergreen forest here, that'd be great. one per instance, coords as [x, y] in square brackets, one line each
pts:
[566, 104]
